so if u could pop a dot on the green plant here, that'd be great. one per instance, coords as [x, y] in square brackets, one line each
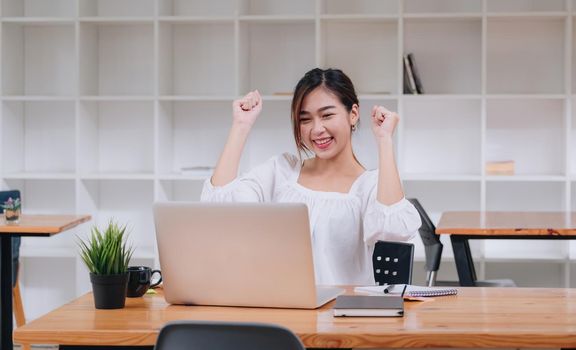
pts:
[106, 253]
[11, 204]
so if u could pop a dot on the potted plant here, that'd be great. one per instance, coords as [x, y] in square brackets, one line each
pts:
[12, 210]
[106, 254]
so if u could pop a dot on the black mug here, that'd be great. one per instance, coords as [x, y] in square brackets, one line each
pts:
[140, 279]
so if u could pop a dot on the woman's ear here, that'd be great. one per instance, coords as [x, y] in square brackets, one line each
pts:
[354, 114]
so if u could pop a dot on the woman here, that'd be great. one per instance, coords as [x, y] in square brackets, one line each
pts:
[349, 208]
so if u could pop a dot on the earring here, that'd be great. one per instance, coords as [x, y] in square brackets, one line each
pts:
[353, 127]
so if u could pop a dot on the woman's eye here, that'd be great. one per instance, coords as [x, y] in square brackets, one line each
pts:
[325, 116]
[304, 121]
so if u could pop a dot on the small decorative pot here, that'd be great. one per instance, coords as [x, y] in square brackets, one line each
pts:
[109, 290]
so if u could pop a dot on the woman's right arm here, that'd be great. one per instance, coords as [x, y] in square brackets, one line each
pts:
[245, 112]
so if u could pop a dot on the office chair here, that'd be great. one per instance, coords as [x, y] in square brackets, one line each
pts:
[185, 335]
[16, 294]
[392, 262]
[433, 248]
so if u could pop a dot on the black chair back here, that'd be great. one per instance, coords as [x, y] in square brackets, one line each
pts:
[432, 246]
[185, 335]
[392, 262]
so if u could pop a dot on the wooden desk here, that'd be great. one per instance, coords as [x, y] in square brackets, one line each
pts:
[463, 226]
[29, 225]
[476, 317]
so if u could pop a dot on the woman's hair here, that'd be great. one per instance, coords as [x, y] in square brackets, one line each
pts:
[334, 81]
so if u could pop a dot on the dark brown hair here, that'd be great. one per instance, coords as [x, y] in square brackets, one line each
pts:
[333, 80]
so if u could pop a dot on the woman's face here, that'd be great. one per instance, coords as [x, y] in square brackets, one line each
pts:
[325, 124]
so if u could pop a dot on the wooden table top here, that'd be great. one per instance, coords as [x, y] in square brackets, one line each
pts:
[507, 223]
[476, 317]
[43, 224]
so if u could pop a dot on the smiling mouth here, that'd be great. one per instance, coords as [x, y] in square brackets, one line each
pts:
[323, 143]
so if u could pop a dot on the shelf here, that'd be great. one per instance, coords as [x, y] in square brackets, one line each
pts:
[525, 196]
[526, 178]
[195, 19]
[116, 59]
[438, 177]
[117, 20]
[116, 137]
[182, 177]
[22, 73]
[376, 41]
[433, 128]
[39, 176]
[111, 98]
[261, 53]
[452, 65]
[25, 98]
[116, 176]
[211, 46]
[360, 7]
[451, 17]
[180, 190]
[39, 8]
[197, 8]
[37, 20]
[537, 44]
[277, 19]
[38, 137]
[360, 18]
[516, 131]
[503, 6]
[527, 96]
[179, 135]
[129, 202]
[117, 8]
[276, 7]
[184, 98]
[442, 6]
[441, 196]
[528, 15]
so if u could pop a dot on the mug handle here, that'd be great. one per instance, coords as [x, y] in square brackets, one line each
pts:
[155, 284]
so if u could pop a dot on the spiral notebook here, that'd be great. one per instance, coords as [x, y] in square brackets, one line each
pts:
[411, 290]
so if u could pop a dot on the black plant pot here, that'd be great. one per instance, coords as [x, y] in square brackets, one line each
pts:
[109, 290]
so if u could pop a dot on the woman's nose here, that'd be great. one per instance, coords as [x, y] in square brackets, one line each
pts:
[318, 126]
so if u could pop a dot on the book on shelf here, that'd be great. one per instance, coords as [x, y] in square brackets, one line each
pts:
[503, 167]
[412, 81]
[369, 305]
[411, 290]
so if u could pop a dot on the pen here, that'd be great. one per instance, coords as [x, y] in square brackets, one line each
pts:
[403, 290]
[387, 287]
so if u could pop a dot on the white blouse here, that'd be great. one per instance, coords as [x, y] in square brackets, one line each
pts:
[344, 226]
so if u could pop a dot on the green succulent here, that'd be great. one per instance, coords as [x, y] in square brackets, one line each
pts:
[106, 253]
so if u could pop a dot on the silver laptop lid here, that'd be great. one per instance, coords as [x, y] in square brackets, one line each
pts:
[235, 254]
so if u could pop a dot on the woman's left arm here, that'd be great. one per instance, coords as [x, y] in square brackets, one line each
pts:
[384, 124]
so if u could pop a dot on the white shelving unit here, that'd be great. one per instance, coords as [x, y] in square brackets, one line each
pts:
[104, 101]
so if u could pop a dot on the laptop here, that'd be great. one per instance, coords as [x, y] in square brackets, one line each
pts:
[238, 254]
